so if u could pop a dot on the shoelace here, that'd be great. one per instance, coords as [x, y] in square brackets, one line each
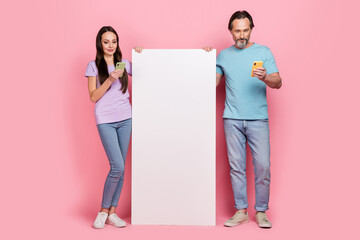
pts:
[101, 219]
[263, 217]
[236, 214]
[117, 218]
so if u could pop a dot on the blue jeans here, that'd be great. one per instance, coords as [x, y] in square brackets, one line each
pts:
[256, 133]
[115, 138]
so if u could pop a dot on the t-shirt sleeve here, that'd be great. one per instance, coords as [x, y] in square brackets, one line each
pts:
[219, 62]
[128, 66]
[269, 63]
[91, 70]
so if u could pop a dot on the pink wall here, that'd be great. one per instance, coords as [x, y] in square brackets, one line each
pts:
[53, 166]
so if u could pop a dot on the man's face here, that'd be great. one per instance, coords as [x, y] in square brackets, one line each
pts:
[241, 32]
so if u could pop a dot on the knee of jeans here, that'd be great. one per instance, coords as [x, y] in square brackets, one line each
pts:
[262, 177]
[116, 173]
[237, 169]
[262, 168]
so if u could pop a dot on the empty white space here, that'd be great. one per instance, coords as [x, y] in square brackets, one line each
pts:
[173, 137]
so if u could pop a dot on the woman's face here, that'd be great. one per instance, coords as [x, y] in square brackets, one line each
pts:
[109, 43]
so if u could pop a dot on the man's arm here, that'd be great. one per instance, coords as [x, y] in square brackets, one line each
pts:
[272, 80]
[218, 75]
[218, 78]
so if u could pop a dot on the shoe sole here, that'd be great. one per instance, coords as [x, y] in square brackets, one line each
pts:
[235, 224]
[110, 223]
[263, 226]
[98, 227]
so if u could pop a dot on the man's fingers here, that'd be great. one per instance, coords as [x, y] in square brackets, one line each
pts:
[208, 49]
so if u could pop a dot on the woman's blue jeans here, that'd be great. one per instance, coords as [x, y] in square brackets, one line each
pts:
[115, 138]
[256, 133]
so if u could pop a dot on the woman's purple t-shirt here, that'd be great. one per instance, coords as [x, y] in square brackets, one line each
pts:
[113, 106]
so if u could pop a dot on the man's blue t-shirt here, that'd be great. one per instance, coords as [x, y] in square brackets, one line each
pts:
[245, 95]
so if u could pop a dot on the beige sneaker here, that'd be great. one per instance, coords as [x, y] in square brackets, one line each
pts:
[262, 220]
[239, 218]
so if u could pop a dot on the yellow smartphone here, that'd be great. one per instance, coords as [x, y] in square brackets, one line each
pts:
[256, 65]
[120, 65]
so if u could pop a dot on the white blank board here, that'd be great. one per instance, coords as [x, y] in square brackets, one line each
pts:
[173, 137]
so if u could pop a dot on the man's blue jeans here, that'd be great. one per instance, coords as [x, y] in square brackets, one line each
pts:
[115, 138]
[256, 133]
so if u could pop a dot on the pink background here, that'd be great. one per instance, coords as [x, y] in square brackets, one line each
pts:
[53, 166]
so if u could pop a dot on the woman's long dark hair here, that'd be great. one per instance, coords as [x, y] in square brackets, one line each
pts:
[101, 63]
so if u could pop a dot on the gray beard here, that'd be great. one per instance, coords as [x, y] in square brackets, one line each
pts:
[240, 44]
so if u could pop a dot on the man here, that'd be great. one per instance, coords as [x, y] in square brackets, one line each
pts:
[246, 115]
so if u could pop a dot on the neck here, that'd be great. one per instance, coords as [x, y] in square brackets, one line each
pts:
[109, 59]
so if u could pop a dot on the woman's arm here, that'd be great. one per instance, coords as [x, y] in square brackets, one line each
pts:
[97, 93]
[138, 49]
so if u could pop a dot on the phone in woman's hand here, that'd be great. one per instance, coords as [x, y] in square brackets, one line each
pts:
[121, 66]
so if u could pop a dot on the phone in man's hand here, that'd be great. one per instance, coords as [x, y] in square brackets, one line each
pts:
[256, 65]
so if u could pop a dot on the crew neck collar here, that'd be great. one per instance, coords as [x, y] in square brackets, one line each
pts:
[243, 49]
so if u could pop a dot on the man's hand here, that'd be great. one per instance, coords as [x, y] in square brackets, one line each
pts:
[272, 80]
[260, 73]
[208, 49]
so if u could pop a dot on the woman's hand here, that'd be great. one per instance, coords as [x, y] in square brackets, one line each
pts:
[114, 75]
[138, 49]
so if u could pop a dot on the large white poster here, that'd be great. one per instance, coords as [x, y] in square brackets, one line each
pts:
[173, 137]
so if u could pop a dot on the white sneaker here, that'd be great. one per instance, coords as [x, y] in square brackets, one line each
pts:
[100, 220]
[114, 220]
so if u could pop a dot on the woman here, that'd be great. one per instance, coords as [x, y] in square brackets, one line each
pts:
[108, 88]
